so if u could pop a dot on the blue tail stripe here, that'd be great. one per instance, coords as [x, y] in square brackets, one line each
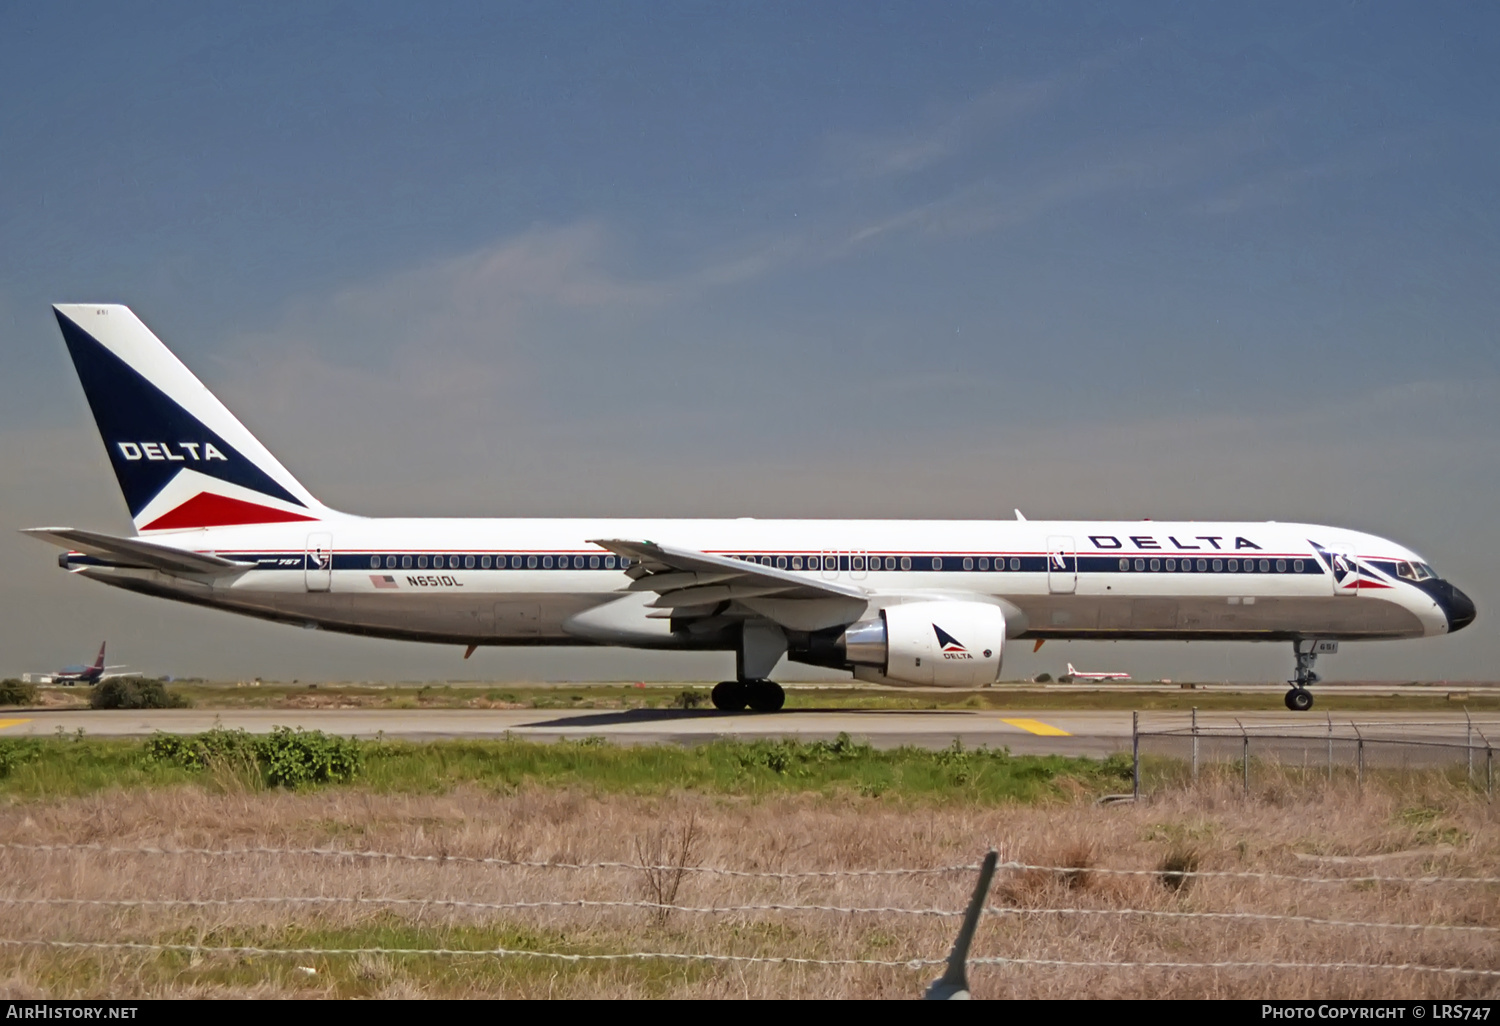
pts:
[131, 413]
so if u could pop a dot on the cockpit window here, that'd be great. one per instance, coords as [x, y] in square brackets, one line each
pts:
[1415, 571]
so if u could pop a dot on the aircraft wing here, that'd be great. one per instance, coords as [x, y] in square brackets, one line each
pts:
[692, 583]
[134, 552]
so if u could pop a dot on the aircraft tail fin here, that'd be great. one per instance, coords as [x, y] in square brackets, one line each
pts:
[1071, 671]
[99, 662]
[182, 459]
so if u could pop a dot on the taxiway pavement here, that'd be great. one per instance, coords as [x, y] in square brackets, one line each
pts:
[1073, 732]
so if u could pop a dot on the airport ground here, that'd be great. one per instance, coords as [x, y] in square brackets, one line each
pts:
[1056, 719]
[748, 793]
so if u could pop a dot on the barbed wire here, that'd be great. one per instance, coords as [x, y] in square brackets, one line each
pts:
[968, 867]
[762, 874]
[505, 906]
[1234, 874]
[1390, 967]
[913, 963]
[561, 956]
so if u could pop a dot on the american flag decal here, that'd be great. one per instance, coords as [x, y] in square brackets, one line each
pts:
[383, 581]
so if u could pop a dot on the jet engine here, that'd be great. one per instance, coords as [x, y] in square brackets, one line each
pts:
[946, 644]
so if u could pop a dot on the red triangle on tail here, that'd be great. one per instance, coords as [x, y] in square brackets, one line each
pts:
[209, 510]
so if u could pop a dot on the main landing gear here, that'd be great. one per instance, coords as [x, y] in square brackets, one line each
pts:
[760, 695]
[1299, 699]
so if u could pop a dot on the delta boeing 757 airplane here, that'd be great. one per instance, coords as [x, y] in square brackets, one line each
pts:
[220, 522]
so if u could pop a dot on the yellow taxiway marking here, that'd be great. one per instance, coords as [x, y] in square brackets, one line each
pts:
[1038, 727]
[12, 723]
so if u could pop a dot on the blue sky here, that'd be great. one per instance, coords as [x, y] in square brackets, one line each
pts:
[1161, 260]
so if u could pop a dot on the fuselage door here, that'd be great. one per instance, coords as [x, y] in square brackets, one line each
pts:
[318, 563]
[1062, 565]
[858, 563]
[830, 564]
[1345, 573]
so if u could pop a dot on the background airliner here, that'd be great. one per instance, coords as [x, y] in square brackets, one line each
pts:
[79, 674]
[1102, 675]
[220, 522]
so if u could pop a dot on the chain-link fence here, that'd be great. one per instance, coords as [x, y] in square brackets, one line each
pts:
[1175, 754]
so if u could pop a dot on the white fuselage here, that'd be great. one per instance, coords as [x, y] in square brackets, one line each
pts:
[530, 582]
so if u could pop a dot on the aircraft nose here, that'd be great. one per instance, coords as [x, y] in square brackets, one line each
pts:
[1459, 609]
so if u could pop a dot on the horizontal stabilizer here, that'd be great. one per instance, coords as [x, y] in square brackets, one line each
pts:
[133, 552]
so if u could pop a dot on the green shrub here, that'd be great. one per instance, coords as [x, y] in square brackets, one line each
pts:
[13, 752]
[134, 693]
[15, 692]
[287, 758]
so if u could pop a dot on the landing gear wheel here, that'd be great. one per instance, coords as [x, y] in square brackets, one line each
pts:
[731, 695]
[765, 695]
[1299, 700]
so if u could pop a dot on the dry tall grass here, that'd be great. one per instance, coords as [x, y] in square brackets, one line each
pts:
[1424, 828]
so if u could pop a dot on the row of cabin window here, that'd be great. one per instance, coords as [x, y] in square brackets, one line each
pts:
[498, 562]
[859, 562]
[1234, 565]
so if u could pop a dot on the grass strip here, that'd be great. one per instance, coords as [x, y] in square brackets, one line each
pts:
[233, 760]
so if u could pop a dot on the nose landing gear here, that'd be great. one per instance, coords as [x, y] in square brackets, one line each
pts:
[1299, 699]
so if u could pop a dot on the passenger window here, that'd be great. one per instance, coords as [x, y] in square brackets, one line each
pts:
[546, 562]
[1234, 564]
[1124, 564]
[1140, 564]
[968, 563]
[906, 562]
[1156, 564]
[593, 562]
[1219, 565]
[1015, 563]
[890, 562]
[937, 562]
[796, 562]
[468, 562]
[1171, 564]
[609, 562]
[1202, 564]
[1297, 565]
[421, 562]
[531, 562]
[984, 564]
[1281, 566]
[1265, 565]
[781, 562]
[484, 562]
[374, 562]
[390, 562]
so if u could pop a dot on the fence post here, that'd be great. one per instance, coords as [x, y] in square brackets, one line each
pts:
[1330, 746]
[954, 983]
[1195, 744]
[1469, 742]
[1359, 758]
[1489, 774]
[1245, 756]
[1135, 754]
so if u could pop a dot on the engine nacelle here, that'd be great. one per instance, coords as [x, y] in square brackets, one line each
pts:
[946, 644]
